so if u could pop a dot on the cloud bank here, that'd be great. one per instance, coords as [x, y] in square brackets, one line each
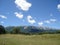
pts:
[50, 21]
[47, 22]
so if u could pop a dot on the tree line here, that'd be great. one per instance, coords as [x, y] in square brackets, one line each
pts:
[16, 30]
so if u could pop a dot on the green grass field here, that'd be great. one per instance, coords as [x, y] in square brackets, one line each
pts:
[16, 39]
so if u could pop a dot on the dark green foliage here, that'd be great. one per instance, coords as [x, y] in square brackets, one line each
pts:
[58, 31]
[15, 30]
[2, 30]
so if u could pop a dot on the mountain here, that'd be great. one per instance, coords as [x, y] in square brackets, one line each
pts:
[32, 29]
[9, 28]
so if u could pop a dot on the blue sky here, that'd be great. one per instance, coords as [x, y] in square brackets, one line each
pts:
[30, 12]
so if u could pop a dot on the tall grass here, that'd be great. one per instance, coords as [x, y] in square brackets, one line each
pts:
[16, 39]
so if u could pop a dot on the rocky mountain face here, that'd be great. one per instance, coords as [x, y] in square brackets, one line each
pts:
[32, 29]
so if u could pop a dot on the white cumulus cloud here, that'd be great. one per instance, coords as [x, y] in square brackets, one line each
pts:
[1, 22]
[51, 14]
[47, 21]
[58, 7]
[2, 16]
[50, 21]
[23, 4]
[53, 20]
[40, 23]
[30, 19]
[19, 15]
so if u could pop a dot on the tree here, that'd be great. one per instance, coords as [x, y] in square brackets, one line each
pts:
[2, 30]
[16, 30]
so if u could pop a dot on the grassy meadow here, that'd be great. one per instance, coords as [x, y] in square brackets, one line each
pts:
[18, 39]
